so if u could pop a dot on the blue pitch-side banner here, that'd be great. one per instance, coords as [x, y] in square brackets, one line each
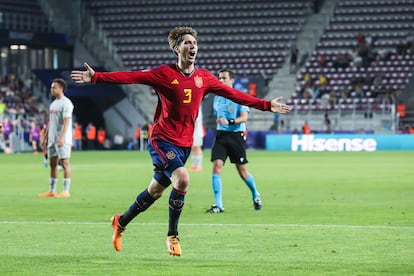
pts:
[339, 142]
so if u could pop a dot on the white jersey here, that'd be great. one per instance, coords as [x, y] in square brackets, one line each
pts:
[60, 109]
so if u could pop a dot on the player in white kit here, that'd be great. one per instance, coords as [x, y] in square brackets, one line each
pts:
[196, 149]
[59, 138]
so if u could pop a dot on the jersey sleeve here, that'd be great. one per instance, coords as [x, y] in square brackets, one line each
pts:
[135, 77]
[216, 87]
[67, 109]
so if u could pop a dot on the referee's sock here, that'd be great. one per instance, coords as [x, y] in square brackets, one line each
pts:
[251, 184]
[217, 190]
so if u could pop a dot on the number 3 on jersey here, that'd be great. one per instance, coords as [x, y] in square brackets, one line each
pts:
[188, 94]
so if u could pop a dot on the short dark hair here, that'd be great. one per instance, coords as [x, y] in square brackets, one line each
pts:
[232, 75]
[61, 83]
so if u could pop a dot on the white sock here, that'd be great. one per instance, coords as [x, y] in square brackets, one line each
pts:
[66, 184]
[197, 160]
[53, 183]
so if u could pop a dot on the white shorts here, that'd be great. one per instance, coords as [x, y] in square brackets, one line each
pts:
[62, 152]
[198, 132]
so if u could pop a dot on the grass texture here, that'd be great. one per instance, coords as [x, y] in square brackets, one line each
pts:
[323, 214]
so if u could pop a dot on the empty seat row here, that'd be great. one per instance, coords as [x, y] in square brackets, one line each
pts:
[370, 3]
[377, 10]
[206, 6]
[256, 34]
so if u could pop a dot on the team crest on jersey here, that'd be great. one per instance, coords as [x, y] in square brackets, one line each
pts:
[170, 155]
[198, 81]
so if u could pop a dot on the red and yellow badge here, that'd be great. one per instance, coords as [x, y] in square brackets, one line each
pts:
[170, 155]
[198, 81]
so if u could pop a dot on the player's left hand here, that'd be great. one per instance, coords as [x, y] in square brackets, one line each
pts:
[278, 107]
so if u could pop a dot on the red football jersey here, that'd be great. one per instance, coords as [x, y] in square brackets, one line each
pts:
[179, 98]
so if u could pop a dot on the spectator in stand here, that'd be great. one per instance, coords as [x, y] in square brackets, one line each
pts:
[344, 93]
[341, 61]
[377, 88]
[305, 128]
[323, 88]
[321, 60]
[7, 131]
[324, 103]
[354, 58]
[101, 137]
[34, 136]
[364, 51]
[360, 39]
[322, 79]
[311, 91]
[401, 48]
[77, 136]
[90, 136]
[383, 54]
[358, 91]
[307, 78]
[333, 98]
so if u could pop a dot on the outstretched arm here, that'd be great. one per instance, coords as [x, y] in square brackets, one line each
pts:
[277, 107]
[83, 76]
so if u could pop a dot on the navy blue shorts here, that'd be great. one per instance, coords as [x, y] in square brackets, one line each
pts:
[167, 157]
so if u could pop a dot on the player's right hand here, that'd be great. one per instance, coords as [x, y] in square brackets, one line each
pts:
[83, 76]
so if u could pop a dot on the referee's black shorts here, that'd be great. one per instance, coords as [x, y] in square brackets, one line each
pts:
[229, 144]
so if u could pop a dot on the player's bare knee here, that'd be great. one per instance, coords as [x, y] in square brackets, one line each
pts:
[155, 189]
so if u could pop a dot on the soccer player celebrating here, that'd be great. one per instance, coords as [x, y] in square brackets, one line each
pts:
[180, 88]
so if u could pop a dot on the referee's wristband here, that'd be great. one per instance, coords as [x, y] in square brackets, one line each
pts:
[232, 121]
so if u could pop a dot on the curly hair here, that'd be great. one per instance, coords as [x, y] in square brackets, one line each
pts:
[176, 35]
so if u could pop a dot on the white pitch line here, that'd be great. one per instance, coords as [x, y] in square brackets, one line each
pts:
[375, 227]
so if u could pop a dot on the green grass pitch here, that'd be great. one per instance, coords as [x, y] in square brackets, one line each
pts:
[323, 214]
